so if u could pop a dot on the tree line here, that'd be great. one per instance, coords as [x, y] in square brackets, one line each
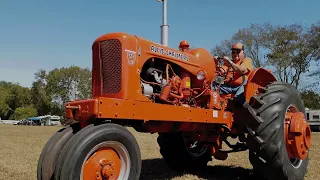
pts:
[290, 51]
[49, 93]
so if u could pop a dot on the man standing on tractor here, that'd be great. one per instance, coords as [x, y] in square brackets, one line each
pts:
[184, 46]
[236, 73]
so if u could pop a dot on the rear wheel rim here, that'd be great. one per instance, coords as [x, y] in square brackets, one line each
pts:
[195, 148]
[297, 136]
[107, 160]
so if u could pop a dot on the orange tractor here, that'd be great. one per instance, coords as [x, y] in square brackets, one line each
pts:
[156, 89]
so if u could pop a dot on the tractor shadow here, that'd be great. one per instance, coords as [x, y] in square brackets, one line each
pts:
[158, 169]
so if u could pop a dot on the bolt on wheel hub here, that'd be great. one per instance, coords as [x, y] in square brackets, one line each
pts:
[107, 170]
[103, 164]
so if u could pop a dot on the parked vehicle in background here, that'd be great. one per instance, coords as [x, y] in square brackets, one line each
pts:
[47, 120]
[313, 118]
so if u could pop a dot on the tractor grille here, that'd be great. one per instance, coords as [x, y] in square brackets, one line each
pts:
[111, 60]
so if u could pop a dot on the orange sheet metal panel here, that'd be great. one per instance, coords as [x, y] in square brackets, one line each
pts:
[85, 109]
[128, 109]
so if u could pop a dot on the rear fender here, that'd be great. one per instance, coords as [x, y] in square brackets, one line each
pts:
[260, 77]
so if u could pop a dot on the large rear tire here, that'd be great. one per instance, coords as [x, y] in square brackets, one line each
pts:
[179, 156]
[269, 151]
[107, 151]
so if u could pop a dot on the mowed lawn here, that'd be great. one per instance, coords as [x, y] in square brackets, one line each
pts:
[20, 147]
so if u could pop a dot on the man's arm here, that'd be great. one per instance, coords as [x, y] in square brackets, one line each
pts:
[243, 68]
[239, 68]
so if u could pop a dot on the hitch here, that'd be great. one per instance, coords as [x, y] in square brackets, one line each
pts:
[242, 146]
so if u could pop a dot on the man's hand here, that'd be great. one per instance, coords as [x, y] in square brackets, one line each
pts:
[226, 59]
[239, 68]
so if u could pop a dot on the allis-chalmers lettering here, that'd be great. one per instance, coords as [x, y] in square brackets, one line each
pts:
[168, 53]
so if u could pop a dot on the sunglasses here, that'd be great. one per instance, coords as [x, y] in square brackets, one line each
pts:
[235, 52]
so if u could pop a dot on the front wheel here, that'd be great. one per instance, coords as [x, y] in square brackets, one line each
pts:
[107, 151]
[48, 157]
[279, 139]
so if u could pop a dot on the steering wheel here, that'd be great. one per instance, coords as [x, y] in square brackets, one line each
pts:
[223, 74]
[220, 71]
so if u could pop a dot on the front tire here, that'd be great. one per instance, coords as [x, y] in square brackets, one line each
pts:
[103, 151]
[48, 157]
[269, 151]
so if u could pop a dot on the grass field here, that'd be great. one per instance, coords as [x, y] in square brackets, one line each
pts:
[20, 147]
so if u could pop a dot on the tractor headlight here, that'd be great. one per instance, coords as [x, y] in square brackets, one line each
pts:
[201, 75]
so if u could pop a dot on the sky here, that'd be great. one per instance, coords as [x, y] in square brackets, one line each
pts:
[53, 34]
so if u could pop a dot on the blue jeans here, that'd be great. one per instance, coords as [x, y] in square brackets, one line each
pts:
[225, 89]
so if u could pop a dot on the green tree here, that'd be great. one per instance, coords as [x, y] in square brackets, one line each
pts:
[4, 107]
[24, 113]
[315, 44]
[40, 98]
[67, 84]
[314, 39]
[311, 99]
[13, 96]
[290, 52]
[51, 90]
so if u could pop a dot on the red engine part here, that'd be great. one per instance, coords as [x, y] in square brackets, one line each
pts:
[177, 88]
[186, 85]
